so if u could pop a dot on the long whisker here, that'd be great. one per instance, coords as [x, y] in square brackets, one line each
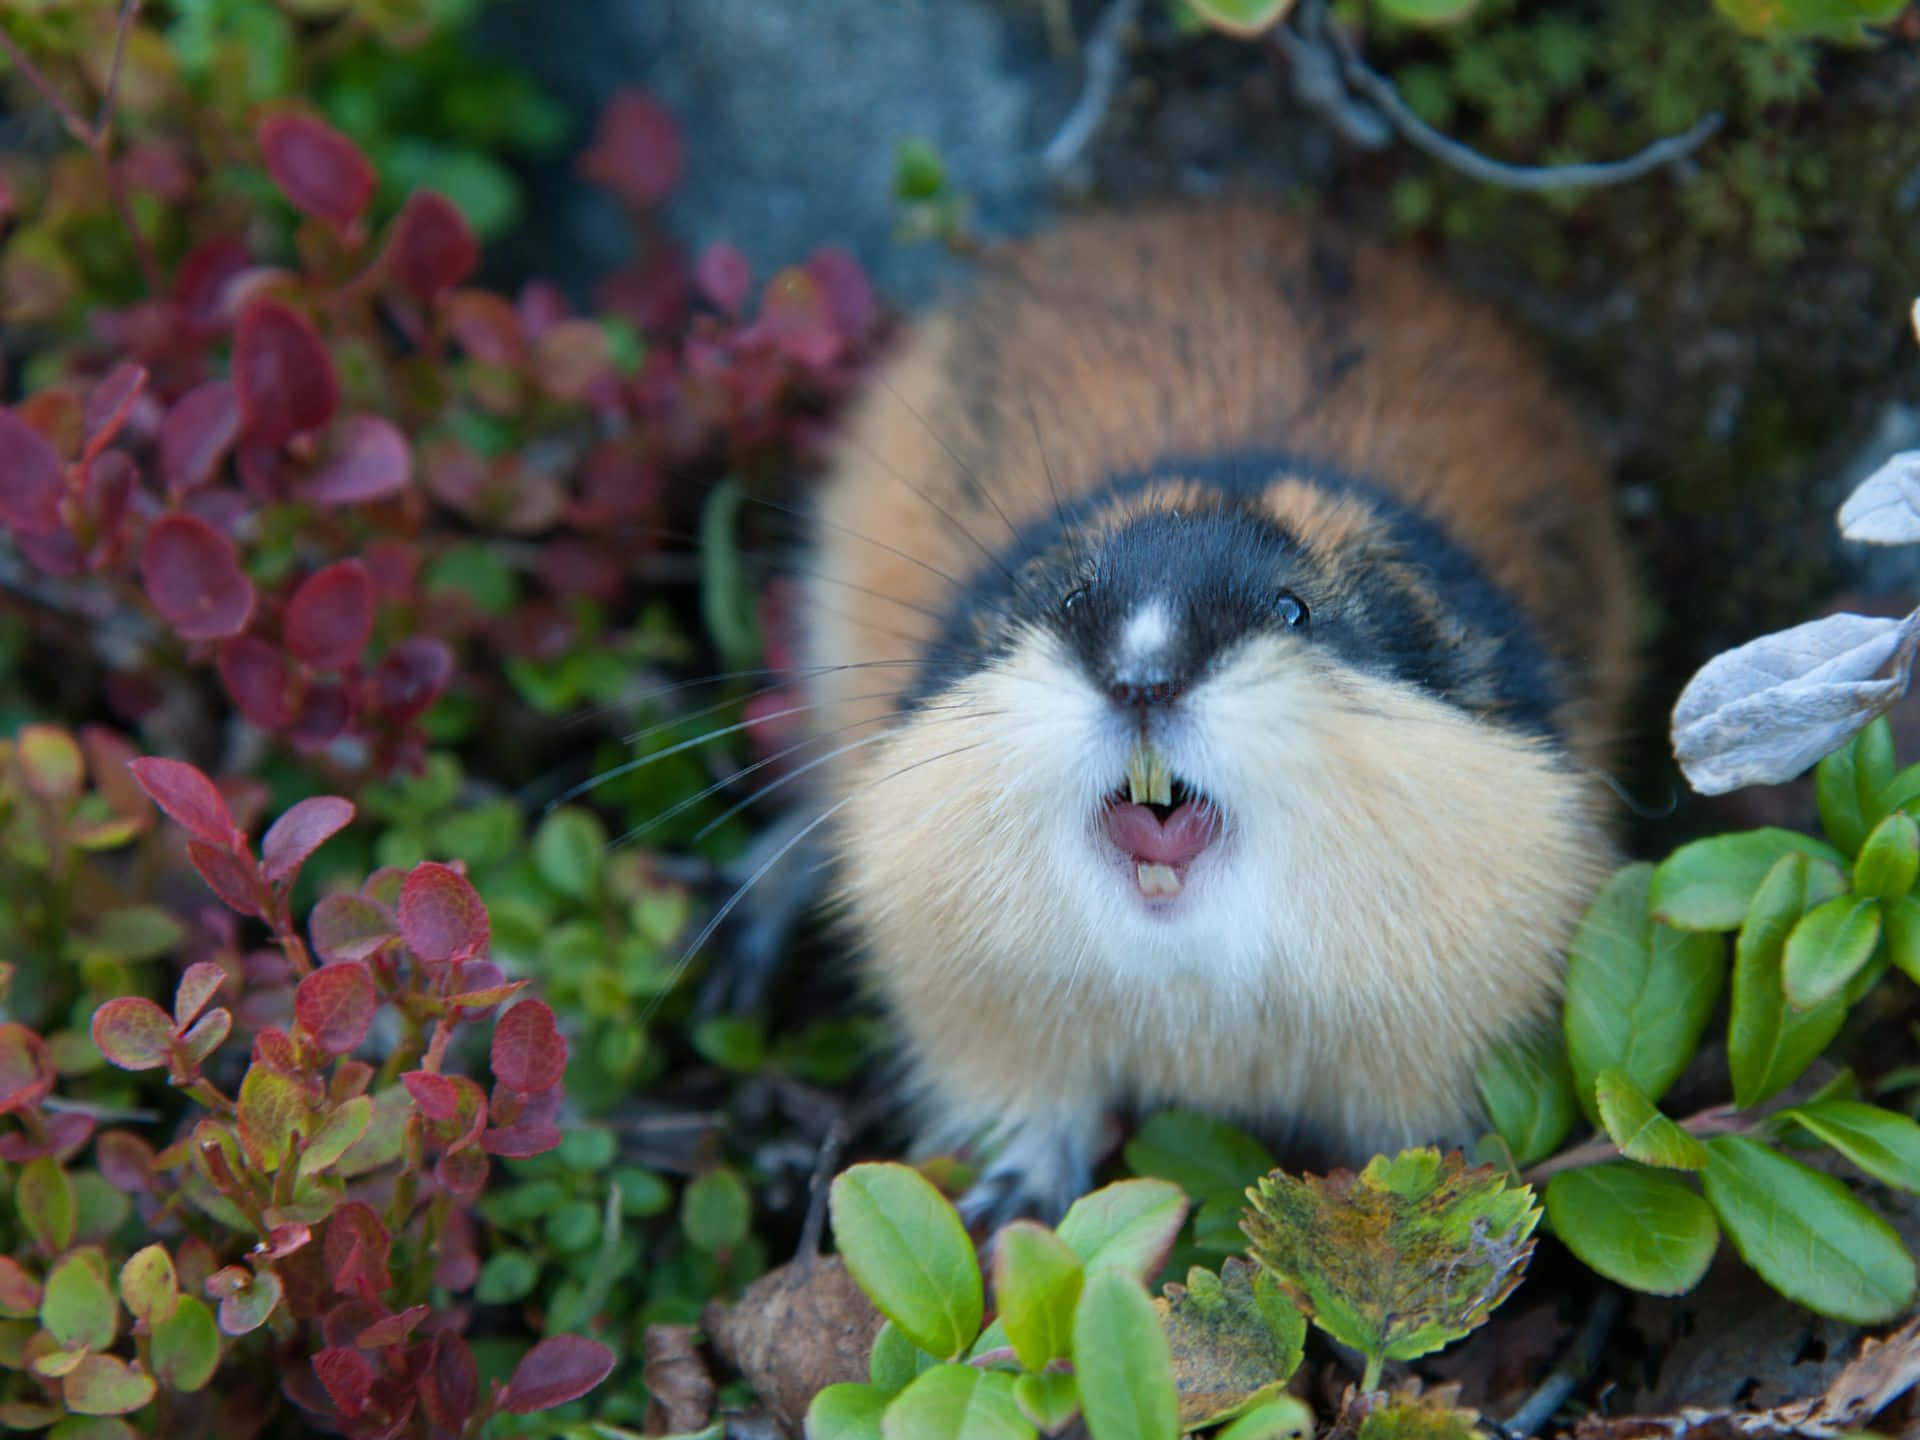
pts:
[911, 559]
[740, 892]
[953, 455]
[1053, 485]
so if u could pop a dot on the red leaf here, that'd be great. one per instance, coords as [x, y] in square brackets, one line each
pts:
[133, 1033]
[349, 927]
[348, 1377]
[795, 317]
[724, 276]
[450, 1388]
[109, 482]
[356, 1250]
[432, 248]
[234, 878]
[849, 293]
[185, 793]
[487, 327]
[323, 715]
[463, 1171]
[558, 1369]
[29, 478]
[410, 677]
[109, 404]
[197, 434]
[331, 616]
[26, 1071]
[441, 915]
[255, 675]
[370, 461]
[200, 983]
[193, 576]
[300, 832]
[125, 1161]
[19, 1292]
[316, 167]
[202, 284]
[436, 1095]
[392, 1329]
[521, 1140]
[283, 374]
[274, 1049]
[636, 152]
[529, 1054]
[336, 1005]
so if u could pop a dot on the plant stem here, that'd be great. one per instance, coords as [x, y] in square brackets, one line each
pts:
[1719, 1120]
[1370, 1381]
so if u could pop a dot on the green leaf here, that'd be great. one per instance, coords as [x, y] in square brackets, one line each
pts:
[568, 851]
[148, 1287]
[1527, 1086]
[1122, 1362]
[733, 1042]
[106, 1385]
[1769, 1043]
[896, 1360]
[272, 1106]
[186, 1347]
[344, 1126]
[715, 1211]
[1889, 860]
[1036, 1283]
[1806, 1235]
[1429, 12]
[1285, 1418]
[904, 1245]
[1636, 1125]
[1129, 1225]
[135, 932]
[1242, 17]
[44, 1200]
[1709, 884]
[1849, 783]
[77, 1306]
[1883, 1143]
[847, 1412]
[956, 1402]
[726, 599]
[1049, 1401]
[1638, 1227]
[1900, 923]
[1198, 1153]
[1830, 945]
[1407, 1256]
[1638, 992]
[508, 1275]
[1234, 1339]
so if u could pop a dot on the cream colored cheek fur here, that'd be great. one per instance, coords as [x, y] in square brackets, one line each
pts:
[1392, 892]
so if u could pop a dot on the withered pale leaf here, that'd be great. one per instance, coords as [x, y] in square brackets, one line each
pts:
[1884, 508]
[1762, 713]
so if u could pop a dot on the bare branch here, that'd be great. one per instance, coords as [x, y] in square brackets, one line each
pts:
[37, 78]
[1106, 67]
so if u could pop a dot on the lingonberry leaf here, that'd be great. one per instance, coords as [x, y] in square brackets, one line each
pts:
[529, 1053]
[197, 434]
[336, 1005]
[193, 576]
[370, 460]
[724, 277]
[331, 615]
[299, 832]
[233, 877]
[133, 1033]
[636, 153]
[316, 167]
[29, 478]
[200, 983]
[558, 1369]
[350, 927]
[255, 674]
[410, 677]
[26, 1068]
[186, 794]
[441, 916]
[431, 248]
[283, 375]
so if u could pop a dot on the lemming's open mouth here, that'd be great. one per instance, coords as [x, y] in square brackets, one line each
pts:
[1159, 823]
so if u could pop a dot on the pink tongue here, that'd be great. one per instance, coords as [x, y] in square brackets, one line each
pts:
[1141, 834]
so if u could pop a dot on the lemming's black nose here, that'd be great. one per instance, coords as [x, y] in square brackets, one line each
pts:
[1135, 691]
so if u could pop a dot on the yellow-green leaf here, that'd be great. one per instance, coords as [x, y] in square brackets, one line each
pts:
[1122, 1362]
[904, 1245]
[1636, 1125]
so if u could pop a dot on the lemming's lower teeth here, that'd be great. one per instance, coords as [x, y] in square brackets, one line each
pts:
[1149, 781]
[1156, 882]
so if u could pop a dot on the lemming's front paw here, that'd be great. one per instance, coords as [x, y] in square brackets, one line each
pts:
[1034, 1176]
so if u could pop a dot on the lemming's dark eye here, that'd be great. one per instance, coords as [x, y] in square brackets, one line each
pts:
[1072, 602]
[1291, 608]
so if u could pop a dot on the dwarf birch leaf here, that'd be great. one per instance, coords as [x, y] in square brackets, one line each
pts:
[1763, 713]
[1638, 992]
[905, 1246]
[1122, 1362]
[1709, 884]
[1806, 1234]
[1769, 1043]
[1401, 1259]
[1234, 1338]
[1638, 1227]
[1636, 1125]
[1828, 948]
[1884, 508]
[1883, 1143]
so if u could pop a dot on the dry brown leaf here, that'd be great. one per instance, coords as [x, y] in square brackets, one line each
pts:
[680, 1390]
[795, 1331]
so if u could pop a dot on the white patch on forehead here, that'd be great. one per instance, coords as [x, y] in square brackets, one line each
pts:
[1148, 629]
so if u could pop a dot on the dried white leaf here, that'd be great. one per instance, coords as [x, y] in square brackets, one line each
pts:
[1766, 711]
[1884, 508]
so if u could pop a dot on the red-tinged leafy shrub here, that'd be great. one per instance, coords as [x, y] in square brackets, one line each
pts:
[311, 1198]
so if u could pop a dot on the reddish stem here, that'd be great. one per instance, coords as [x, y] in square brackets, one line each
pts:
[1719, 1120]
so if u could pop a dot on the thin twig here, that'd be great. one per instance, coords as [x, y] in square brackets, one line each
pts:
[37, 78]
[1719, 1120]
[1468, 161]
[1106, 67]
[103, 127]
[831, 1144]
[1545, 1402]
